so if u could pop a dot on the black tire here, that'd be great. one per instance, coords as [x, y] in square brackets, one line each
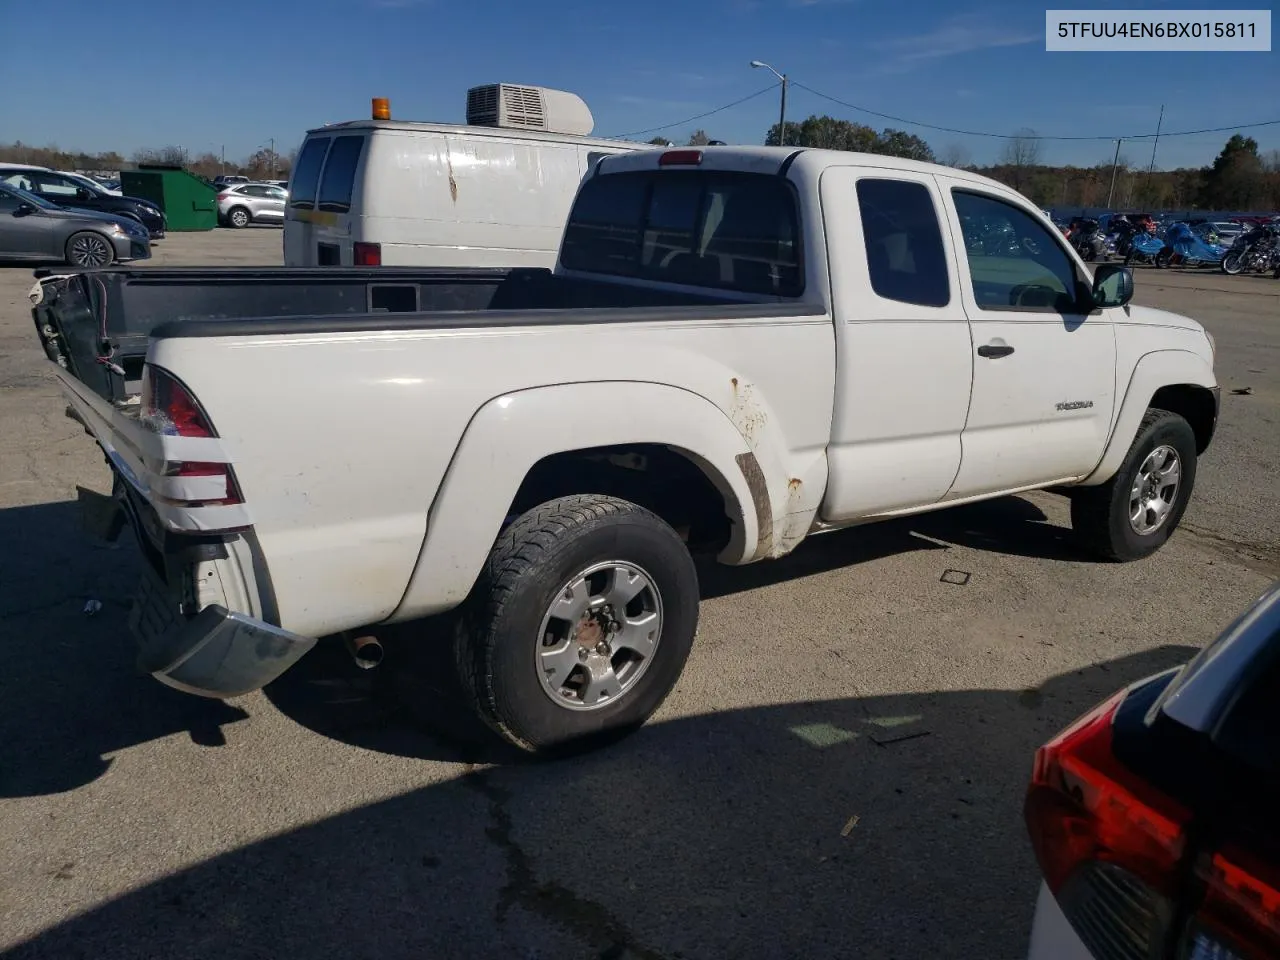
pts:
[1233, 262]
[89, 250]
[1100, 515]
[497, 641]
[239, 217]
[1164, 259]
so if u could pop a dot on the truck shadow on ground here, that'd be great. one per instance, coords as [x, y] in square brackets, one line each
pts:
[876, 827]
[72, 695]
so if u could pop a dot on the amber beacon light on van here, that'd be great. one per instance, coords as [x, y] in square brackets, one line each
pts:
[381, 108]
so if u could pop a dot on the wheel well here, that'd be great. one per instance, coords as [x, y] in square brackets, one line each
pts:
[1194, 404]
[665, 481]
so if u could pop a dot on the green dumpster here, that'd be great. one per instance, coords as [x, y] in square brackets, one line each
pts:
[187, 201]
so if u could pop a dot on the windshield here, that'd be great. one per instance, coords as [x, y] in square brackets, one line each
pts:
[30, 198]
[91, 185]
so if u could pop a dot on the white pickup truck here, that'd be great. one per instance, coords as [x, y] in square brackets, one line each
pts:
[739, 348]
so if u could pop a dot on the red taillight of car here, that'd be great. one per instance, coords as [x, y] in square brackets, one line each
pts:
[223, 196]
[1239, 918]
[1083, 807]
[366, 254]
[169, 408]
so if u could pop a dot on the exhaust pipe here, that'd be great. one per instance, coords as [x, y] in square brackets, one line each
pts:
[365, 651]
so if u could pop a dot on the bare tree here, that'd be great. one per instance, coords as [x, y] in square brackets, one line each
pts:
[699, 138]
[954, 155]
[1021, 152]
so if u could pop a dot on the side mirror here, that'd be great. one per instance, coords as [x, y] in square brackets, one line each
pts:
[83, 194]
[23, 210]
[1112, 285]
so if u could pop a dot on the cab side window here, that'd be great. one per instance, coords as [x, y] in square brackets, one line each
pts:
[1015, 263]
[905, 257]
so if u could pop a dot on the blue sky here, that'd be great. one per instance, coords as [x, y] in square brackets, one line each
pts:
[140, 73]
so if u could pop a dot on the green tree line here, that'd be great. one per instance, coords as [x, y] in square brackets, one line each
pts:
[262, 164]
[1240, 178]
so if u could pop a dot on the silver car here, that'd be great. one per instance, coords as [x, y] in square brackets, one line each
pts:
[32, 228]
[240, 204]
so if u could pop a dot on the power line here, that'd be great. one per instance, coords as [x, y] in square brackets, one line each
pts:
[1012, 136]
[667, 126]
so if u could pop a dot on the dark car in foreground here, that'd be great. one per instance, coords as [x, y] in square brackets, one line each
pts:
[1154, 817]
[59, 189]
[31, 228]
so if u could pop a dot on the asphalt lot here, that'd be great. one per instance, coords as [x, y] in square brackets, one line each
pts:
[839, 773]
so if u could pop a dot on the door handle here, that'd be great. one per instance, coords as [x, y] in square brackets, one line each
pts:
[994, 351]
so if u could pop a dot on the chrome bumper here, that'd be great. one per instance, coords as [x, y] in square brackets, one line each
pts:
[216, 653]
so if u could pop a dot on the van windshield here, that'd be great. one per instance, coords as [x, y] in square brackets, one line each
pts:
[732, 231]
[305, 180]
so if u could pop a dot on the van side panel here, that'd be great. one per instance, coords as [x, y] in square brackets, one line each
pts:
[436, 199]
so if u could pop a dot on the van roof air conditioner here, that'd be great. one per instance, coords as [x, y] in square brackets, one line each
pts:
[528, 108]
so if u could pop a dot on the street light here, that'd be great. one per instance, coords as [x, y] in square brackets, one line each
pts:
[782, 113]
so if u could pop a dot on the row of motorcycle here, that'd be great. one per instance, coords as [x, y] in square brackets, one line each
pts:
[1140, 240]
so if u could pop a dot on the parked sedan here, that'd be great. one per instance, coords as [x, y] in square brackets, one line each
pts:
[240, 204]
[1153, 816]
[32, 228]
[60, 189]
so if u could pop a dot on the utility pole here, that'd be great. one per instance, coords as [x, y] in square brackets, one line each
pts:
[1115, 165]
[223, 163]
[1156, 142]
[273, 158]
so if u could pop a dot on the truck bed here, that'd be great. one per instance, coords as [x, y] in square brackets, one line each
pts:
[97, 324]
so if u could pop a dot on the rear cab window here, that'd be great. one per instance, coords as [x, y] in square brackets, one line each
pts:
[905, 257]
[718, 229]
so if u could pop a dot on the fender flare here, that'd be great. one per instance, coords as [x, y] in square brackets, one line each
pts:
[1160, 368]
[510, 433]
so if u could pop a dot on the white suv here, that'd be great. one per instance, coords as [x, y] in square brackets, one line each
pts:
[240, 204]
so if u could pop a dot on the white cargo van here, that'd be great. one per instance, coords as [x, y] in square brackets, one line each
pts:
[495, 192]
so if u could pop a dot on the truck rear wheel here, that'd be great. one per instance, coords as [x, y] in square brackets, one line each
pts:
[579, 625]
[1134, 513]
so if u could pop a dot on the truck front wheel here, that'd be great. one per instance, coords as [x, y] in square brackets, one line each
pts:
[579, 625]
[1134, 513]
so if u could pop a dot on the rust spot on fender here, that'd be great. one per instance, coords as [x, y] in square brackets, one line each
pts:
[794, 483]
[453, 184]
[754, 476]
[745, 413]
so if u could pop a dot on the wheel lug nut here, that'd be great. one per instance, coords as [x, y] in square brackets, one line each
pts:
[582, 653]
[602, 648]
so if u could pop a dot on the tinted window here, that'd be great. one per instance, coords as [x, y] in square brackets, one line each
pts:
[1014, 262]
[253, 191]
[735, 231]
[306, 175]
[340, 175]
[904, 242]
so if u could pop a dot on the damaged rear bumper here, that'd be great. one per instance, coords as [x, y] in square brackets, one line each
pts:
[216, 653]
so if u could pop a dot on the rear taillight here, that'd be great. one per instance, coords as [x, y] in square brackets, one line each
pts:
[169, 408]
[1109, 845]
[1084, 806]
[1239, 917]
[366, 254]
[224, 196]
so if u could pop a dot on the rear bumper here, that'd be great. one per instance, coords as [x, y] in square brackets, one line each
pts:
[1052, 936]
[216, 653]
[188, 635]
